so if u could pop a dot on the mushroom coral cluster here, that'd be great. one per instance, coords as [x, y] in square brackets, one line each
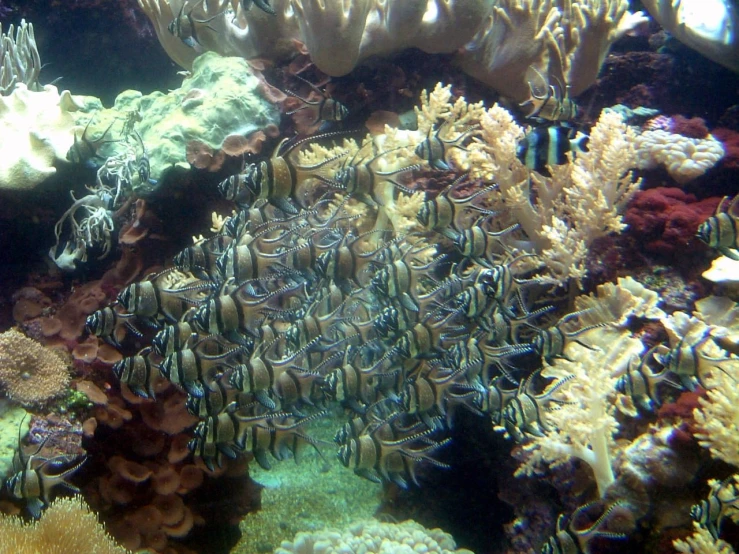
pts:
[496, 42]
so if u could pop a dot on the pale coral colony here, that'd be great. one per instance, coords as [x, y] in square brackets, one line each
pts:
[310, 245]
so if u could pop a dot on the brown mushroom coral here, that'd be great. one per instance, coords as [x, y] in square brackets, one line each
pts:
[87, 350]
[182, 527]
[165, 479]
[128, 470]
[84, 300]
[172, 508]
[191, 477]
[168, 415]
[147, 519]
[29, 303]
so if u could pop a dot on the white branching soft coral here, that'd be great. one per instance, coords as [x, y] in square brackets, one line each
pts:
[559, 216]
[584, 425]
[582, 200]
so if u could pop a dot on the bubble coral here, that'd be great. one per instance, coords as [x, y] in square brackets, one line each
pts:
[684, 158]
[374, 537]
[30, 373]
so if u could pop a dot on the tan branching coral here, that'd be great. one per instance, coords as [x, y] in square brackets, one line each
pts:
[566, 40]
[582, 200]
[29, 372]
[66, 527]
[560, 215]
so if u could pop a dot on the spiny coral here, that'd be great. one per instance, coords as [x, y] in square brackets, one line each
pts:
[67, 527]
[374, 537]
[29, 372]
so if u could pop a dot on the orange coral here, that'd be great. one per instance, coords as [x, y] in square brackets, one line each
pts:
[29, 372]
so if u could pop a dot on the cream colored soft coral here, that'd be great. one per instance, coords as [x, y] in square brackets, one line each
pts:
[496, 42]
[584, 424]
[684, 158]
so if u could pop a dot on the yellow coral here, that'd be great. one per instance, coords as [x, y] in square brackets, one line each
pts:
[67, 526]
[30, 373]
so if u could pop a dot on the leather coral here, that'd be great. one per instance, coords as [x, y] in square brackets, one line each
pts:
[565, 40]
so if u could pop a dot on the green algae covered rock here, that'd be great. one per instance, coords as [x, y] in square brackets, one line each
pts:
[220, 97]
[11, 418]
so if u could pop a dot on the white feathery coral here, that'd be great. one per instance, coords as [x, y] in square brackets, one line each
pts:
[584, 425]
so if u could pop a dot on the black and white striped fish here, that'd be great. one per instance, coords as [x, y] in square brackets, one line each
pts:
[549, 145]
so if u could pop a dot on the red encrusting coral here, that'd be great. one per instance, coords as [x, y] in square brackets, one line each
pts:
[693, 127]
[666, 219]
[730, 141]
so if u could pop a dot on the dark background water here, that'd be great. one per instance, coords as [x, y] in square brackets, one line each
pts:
[96, 47]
